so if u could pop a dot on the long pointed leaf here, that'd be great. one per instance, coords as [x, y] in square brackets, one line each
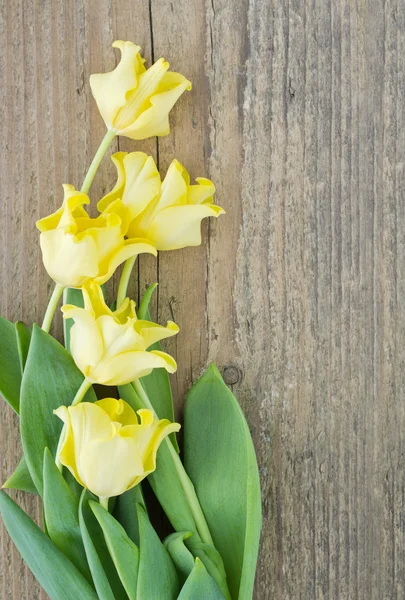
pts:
[180, 554]
[212, 561]
[10, 372]
[61, 509]
[23, 333]
[125, 511]
[200, 585]
[105, 576]
[221, 462]
[21, 479]
[157, 577]
[123, 551]
[54, 571]
[50, 379]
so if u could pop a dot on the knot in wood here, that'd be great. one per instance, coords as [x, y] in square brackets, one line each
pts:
[231, 375]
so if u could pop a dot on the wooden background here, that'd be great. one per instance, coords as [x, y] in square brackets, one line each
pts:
[298, 294]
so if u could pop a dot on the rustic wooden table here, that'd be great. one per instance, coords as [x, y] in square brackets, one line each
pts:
[298, 294]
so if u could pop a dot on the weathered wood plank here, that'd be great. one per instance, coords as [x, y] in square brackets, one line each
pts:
[298, 294]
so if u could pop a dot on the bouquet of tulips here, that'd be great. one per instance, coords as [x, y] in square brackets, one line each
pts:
[87, 456]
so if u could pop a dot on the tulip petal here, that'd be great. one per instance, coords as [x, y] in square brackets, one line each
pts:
[155, 120]
[126, 367]
[68, 262]
[173, 192]
[174, 187]
[83, 422]
[151, 438]
[118, 189]
[86, 341]
[66, 453]
[152, 332]
[138, 100]
[117, 208]
[125, 311]
[109, 466]
[110, 89]
[94, 300]
[71, 208]
[129, 249]
[201, 193]
[137, 185]
[179, 226]
[119, 338]
[118, 411]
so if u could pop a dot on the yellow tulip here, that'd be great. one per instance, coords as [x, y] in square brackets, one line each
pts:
[76, 248]
[105, 447]
[167, 213]
[109, 347]
[134, 101]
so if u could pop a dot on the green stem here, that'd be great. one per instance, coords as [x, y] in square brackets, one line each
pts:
[52, 305]
[103, 502]
[185, 481]
[102, 149]
[81, 392]
[124, 281]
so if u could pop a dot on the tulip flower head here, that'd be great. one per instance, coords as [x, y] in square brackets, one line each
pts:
[135, 101]
[77, 249]
[167, 213]
[106, 448]
[111, 348]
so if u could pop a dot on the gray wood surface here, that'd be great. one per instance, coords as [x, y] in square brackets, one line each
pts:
[298, 294]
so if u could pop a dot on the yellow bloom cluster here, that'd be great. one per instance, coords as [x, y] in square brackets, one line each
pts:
[142, 214]
[103, 444]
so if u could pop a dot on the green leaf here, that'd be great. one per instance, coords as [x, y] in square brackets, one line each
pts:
[10, 372]
[184, 546]
[212, 561]
[123, 551]
[61, 509]
[220, 460]
[21, 479]
[125, 511]
[200, 585]
[164, 480]
[143, 310]
[23, 333]
[105, 576]
[157, 577]
[75, 297]
[54, 571]
[50, 379]
[180, 554]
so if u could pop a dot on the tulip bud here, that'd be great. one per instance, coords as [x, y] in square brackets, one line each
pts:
[77, 249]
[109, 347]
[105, 447]
[167, 213]
[135, 101]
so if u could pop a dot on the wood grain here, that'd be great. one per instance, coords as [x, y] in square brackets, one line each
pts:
[298, 294]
